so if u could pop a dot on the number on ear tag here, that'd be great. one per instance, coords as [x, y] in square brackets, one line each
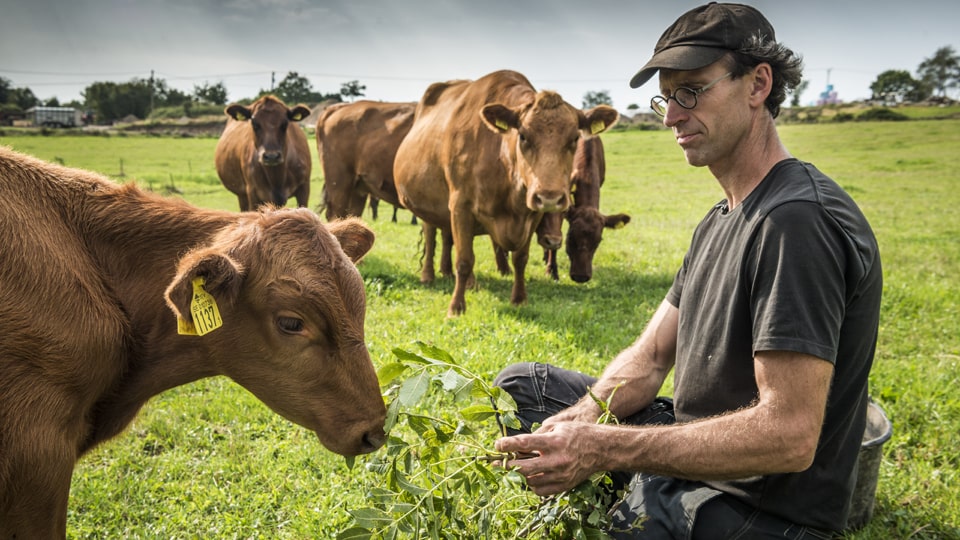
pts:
[203, 309]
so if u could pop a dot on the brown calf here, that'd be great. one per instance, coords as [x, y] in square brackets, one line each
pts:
[262, 156]
[489, 157]
[93, 279]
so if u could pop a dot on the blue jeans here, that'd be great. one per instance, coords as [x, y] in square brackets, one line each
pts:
[664, 508]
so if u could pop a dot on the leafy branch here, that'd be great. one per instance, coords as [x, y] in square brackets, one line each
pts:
[438, 477]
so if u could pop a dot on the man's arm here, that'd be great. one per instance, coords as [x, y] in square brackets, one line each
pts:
[635, 375]
[778, 434]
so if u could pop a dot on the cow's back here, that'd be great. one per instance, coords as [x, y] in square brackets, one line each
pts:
[61, 329]
[357, 143]
[449, 148]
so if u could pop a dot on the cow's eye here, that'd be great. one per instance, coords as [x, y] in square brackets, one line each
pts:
[290, 325]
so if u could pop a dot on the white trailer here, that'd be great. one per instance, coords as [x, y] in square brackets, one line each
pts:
[54, 116]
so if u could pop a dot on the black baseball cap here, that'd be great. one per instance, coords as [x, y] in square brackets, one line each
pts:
[702, 36]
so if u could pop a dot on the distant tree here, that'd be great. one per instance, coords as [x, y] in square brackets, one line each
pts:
[798, 92]
[113, 101]
[896, 83]
[294, 88]
[5, 86]
[351, 90]
[215, 94]
[22, 97]
[592, 99]
[941, 71]
[52, 102]
[633, 107]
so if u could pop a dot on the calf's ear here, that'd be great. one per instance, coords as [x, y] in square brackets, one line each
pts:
[599, 119]
[615, 221]
[499, 118]
[355, 238]
[238, 112]
[222, 277]
[298, 113]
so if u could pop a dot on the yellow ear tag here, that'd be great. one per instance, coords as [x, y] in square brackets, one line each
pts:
[297, 117]
[619, 225]
[597, 126]
[502, 125]
[239, 116]
[203, 309]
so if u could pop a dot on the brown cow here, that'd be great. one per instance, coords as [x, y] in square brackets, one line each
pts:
[489, 157]
[585, 221]
[93, 278]
[263, 156]
[357, 143]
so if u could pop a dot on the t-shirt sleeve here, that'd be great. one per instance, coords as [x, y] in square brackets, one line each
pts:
[795, 274]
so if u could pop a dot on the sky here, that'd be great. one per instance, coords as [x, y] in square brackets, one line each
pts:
[396, 48]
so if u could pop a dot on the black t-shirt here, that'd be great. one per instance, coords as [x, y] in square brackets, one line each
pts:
[795, 267]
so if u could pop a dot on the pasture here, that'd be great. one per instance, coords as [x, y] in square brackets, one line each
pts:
[208, 460]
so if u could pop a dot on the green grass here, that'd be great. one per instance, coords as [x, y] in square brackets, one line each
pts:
[208, 460]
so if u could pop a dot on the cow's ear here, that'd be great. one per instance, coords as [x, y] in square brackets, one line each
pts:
[499, 118]
[298, 113]
[615, 221]
[355, 238]
[238, 112]
[599, 119]
[222, 277]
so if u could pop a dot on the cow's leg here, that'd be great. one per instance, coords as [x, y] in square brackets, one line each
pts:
[34, 502]
[244, 202]
[446, 253]
[500, 254]
[519, 294]
[550, 260]
[375, 207]
[429, 248]
[302, 194]
[462, 230]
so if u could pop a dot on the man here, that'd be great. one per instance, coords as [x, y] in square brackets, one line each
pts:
[770, 324]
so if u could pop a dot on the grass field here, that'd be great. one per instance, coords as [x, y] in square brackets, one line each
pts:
[207, 460]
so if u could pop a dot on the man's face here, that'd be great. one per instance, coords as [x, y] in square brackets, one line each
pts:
[711, 130]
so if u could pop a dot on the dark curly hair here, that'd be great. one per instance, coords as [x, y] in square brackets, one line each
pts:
[787, 67]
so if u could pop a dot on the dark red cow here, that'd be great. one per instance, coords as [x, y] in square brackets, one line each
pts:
[263, 156]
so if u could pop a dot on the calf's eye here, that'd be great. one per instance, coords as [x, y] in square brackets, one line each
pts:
[290, 325]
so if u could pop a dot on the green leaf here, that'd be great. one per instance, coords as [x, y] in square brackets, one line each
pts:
[387, 373]
[354, 533]
[413, 389]
[408, 356]
[405, 484]
[436, 353]
[370, 518]
[477, 413]
[350, 461]
[393, 411]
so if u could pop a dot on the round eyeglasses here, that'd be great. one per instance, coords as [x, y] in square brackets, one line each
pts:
[685, 97]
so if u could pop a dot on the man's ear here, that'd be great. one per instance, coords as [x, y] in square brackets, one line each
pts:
[222, 278]
[762, 79]
[238, 112]
[355, 238]
[500, 118]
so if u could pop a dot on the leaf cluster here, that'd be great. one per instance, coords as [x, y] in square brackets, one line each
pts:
[438, 476]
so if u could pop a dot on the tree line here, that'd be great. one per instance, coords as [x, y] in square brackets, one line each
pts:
[109, 101]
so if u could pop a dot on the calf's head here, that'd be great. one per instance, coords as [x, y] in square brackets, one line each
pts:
[269, 119]
[544, 133]
[292, 305]
[584, 234]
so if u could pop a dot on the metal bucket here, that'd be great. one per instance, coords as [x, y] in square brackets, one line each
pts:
[878, 431]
